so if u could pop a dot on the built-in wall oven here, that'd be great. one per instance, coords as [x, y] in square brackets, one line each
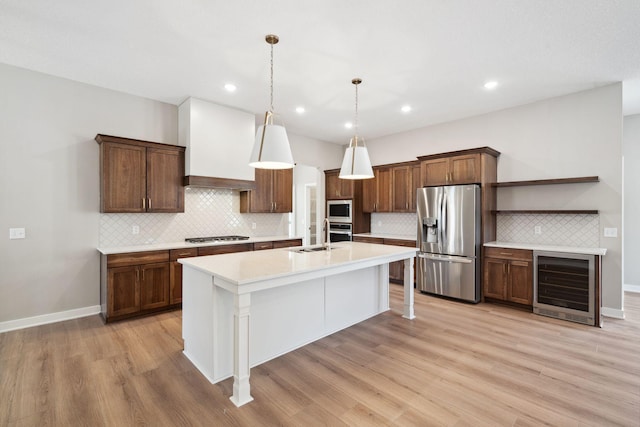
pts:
[340, 232]
[340, 211]
[564, 286]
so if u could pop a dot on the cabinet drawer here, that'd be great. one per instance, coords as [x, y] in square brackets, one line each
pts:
[225, 249]
[183, 253]
[258, 246]
[505, 253]
[134, 258]
[378, 240]
[287, 243]
[400, 242]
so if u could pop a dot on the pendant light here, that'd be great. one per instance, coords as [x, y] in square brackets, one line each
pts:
[271, 148]
[356, 163]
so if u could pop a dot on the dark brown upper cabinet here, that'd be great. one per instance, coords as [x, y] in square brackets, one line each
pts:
[140, 176]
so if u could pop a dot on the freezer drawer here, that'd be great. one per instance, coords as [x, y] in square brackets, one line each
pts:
[451, 276]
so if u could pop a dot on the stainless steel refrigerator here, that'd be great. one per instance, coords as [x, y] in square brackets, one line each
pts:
[449, 241]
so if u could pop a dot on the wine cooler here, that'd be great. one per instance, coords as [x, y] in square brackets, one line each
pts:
[564, 286]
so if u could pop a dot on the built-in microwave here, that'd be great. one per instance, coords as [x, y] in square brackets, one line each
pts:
[340, 211]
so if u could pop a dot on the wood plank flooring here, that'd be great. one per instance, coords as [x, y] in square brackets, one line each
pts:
[455, 365]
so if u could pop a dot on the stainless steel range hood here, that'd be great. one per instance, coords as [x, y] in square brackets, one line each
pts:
[219, 141]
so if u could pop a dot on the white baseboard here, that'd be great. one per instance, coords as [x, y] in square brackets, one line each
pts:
[27, 322]
[612, 312]
[631, 288]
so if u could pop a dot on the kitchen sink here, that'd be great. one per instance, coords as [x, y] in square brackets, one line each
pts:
[312, 249]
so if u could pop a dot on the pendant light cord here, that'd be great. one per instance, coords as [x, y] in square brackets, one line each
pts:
[356, 111]
[271, 87]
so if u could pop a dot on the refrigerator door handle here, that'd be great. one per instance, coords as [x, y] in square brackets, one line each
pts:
[446, 258]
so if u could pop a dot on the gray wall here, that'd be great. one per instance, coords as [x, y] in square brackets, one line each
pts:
[632, 201]
[49, 184]
[569, 136]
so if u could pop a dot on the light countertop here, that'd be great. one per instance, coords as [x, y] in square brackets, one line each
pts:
[549, 248]
[183, 245]
[387, 236]
[249, 267]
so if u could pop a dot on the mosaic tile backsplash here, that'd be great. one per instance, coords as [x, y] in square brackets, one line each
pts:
[403, 224]
[208, 212]
[562, 230]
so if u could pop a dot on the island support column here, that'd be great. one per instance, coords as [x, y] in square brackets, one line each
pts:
[241, 386]
[408, 289]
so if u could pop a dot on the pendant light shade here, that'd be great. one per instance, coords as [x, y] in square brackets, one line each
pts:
[271, 148]
[356, 163]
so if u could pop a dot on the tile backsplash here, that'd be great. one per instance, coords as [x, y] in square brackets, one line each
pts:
[579, 230]
[403, 224]
[208, 212]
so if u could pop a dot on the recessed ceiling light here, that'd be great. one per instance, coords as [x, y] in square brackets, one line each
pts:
[491, 85]
[300, 110]
[230, 87]
[406, 108]
[348, 125]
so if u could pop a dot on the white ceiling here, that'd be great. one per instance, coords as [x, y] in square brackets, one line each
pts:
[432, 54]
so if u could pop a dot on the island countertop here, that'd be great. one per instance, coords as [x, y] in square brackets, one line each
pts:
[250, 267]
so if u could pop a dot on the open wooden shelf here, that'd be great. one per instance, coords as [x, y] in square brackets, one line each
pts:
[547, 181]
[541, 211]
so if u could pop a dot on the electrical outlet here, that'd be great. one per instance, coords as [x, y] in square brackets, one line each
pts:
[537, 230]
[17, 233]
[253, 225]
[610, 232]
[135, 229]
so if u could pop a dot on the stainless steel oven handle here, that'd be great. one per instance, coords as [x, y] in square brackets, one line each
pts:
[339, 232]
[446, 258]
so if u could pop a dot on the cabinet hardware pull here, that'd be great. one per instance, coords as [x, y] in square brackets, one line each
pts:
[184, 254]
[144, 204]
[149, 203]
[143, 275]
[137, 275]
[506, 253]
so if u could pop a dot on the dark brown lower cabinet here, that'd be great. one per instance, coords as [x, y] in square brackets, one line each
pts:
[508, 275]
[396, 269]
[134, 284]
[140, 283]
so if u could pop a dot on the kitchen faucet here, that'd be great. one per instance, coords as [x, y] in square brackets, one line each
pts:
[327, 240]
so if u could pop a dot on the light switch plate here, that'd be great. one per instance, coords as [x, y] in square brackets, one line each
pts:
[610, 232]
[17, 233]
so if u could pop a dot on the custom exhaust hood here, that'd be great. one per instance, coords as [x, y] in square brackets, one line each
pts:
[219, 141]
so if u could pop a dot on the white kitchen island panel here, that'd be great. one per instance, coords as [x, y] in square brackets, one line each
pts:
[240, 310]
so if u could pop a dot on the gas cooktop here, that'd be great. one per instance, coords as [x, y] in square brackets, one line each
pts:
[214, 239]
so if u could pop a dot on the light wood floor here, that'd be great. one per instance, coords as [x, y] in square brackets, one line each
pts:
[455, 365]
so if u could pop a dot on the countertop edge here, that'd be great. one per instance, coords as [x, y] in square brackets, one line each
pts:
[549, 248]
[386, 236]
[183, 245]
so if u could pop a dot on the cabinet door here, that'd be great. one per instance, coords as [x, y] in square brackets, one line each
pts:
[332, 186]
[123, 291]
[282, 190]
[260, 198]
[495, 278]
[401, 188]
[384, 190]
[154, 285]
[123, 178]
[165, 172]
[464, 169]
[435, 172]
[415, 184]
[175, 282]
[346, 188]
[396, 271]
[520, 287]
[370, 192]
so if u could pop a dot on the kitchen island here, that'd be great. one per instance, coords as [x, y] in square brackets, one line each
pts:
[240, 310]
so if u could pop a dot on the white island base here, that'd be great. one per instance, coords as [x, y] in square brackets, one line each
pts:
[230, 324]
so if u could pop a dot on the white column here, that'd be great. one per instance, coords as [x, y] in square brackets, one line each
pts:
[408, 289]
[241, 386]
